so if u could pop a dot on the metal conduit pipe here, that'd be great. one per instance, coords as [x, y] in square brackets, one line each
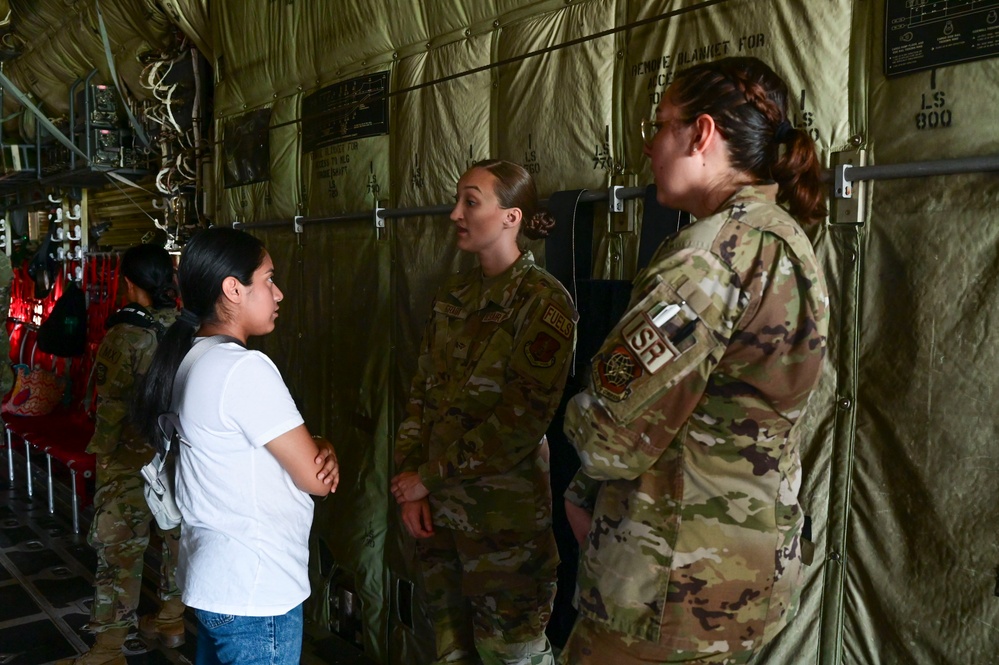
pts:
[848, 173]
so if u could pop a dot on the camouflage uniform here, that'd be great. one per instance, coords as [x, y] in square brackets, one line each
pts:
[492, 368]
[120, 529]
[689, 446]
[6, 277]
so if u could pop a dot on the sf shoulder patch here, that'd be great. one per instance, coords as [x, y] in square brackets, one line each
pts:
[647, 343]
[614, 372]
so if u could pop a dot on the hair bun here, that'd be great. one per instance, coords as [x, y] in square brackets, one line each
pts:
[539, 225]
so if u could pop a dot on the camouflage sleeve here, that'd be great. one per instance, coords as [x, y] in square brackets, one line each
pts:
[582, 491]
[652, 369]
[535, 375]
[6, 277]
[122, 360]
[410, 436]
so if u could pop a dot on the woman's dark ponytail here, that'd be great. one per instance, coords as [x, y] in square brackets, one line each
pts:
[749, 102]
[209, 257]
[799, 177]
[156, 389]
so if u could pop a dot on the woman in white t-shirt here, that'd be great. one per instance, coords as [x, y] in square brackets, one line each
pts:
[243, 484]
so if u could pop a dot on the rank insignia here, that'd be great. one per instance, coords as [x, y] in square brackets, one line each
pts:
[614, 372]
[541, 352]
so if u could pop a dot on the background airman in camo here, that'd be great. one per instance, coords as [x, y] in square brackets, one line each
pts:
[121, 526]
[688, 434]
[6, 277]
[492, 368]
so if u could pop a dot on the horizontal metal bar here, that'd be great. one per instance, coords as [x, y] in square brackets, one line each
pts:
[594, 195]
[270, 224]
[922, 169]
[345, 217]
[879, 172]
[425, 211]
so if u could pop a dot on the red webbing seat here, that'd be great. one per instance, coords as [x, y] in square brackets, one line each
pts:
[62, 435]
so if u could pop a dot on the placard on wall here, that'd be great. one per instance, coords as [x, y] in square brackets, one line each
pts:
[343, 172]
[922, 34]
[246, 148]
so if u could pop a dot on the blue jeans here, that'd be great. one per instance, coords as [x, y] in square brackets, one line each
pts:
[224, 639]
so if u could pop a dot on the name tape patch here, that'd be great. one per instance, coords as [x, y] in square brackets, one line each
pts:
[496, 317]
[448, 309]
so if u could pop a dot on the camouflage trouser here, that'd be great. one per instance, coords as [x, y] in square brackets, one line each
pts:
[491, 596]
[590, 643]
[120, 534]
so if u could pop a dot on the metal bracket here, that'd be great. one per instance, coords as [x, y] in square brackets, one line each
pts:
[847, 206]
[614, 200]
[379, 220]
[40, 117]
[297, 224]
[843, 184]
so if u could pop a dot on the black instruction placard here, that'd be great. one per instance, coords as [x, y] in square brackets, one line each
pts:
[921, 34]
[348, 110]
[246, 148]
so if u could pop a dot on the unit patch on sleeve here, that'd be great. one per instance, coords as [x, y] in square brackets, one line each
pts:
[102, 373]
[614, 372]
[541, 351]
[560, 322]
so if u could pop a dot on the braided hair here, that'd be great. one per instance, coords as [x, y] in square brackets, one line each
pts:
[748, 102]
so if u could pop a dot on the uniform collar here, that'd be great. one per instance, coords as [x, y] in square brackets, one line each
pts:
[480, 291]
[764, 192]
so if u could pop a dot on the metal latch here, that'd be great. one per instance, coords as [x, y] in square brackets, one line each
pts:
[614, 200]
[843, 184]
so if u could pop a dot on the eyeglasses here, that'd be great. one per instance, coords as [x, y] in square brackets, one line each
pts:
[651, 127]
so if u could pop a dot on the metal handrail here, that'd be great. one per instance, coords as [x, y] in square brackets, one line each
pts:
[983, 164]
[954, 166]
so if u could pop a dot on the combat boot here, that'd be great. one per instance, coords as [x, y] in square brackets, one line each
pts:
[166, 626]
[106, 650]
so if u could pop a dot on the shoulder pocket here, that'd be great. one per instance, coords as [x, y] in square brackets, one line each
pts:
[658, 343]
